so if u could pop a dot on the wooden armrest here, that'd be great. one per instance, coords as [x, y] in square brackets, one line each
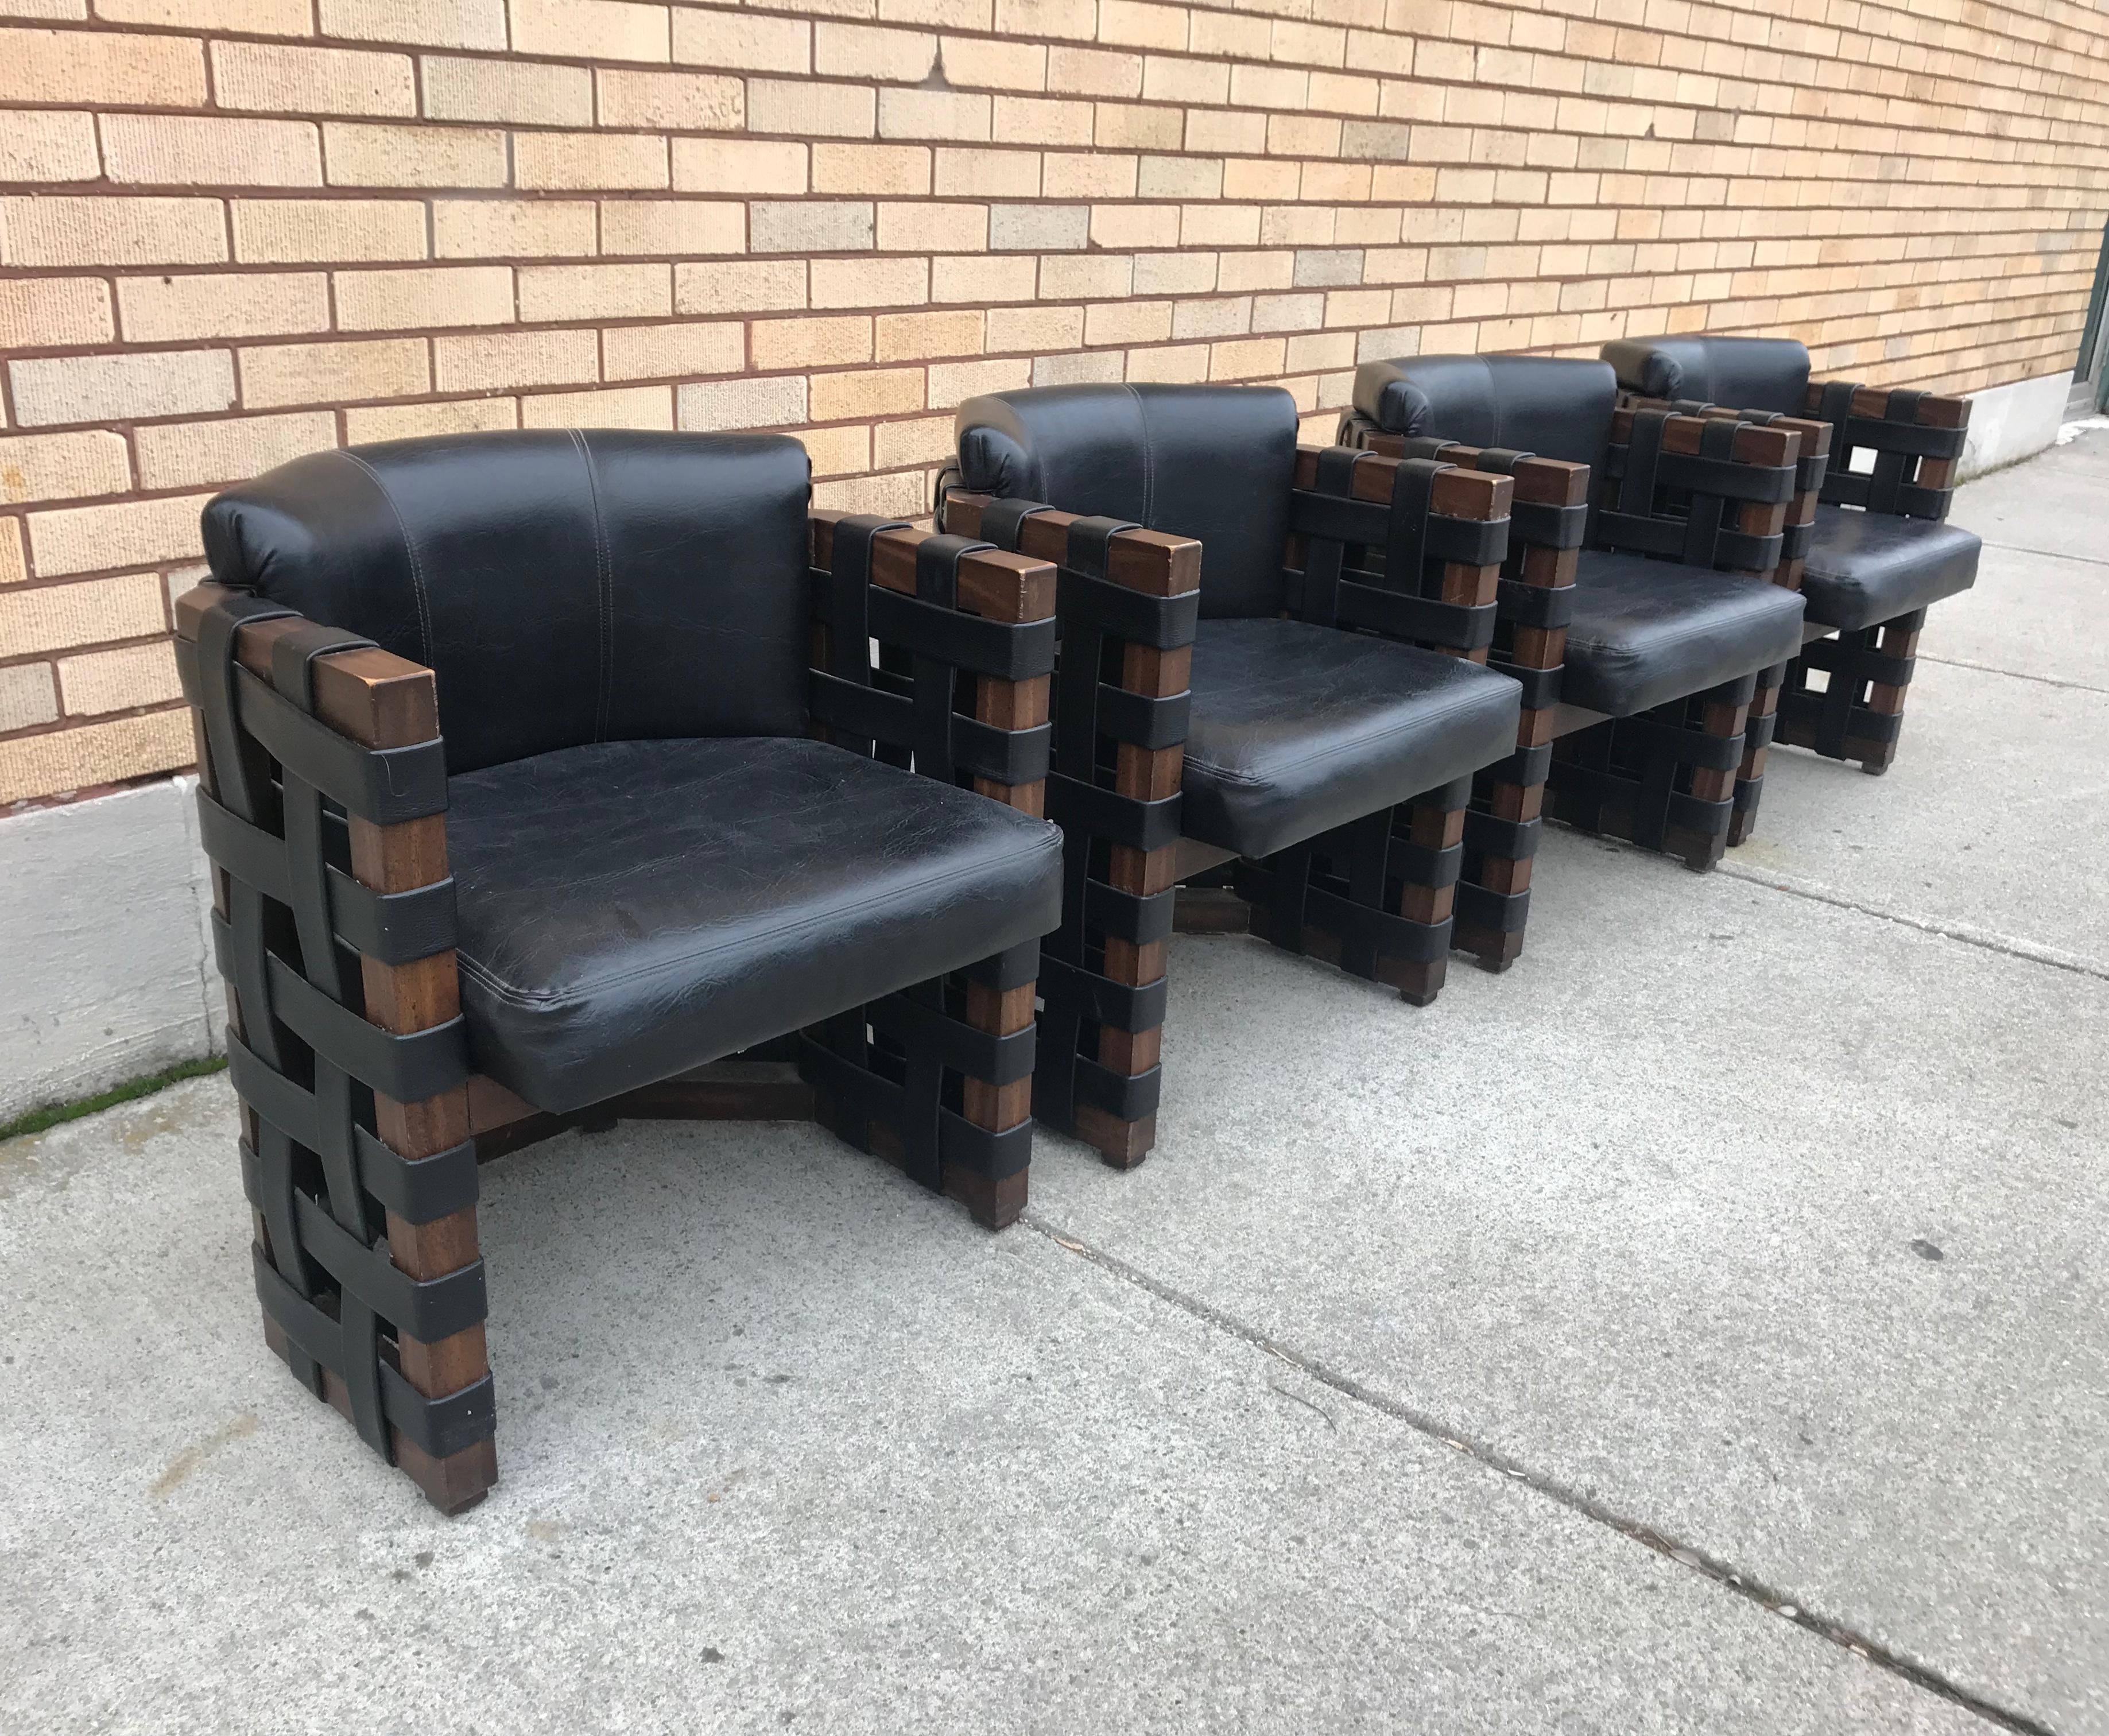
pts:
[993, 582]
[1873, 403]
[1147, 561]
[1768, 445]
[1458, 492]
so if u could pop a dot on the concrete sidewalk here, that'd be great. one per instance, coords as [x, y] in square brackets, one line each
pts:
[1701, 1328]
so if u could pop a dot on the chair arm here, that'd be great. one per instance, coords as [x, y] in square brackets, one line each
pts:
[1916, 439]
[965, 636]
[1709, 491]
[291, 719]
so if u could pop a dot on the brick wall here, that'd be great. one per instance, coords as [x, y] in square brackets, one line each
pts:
[232, 231]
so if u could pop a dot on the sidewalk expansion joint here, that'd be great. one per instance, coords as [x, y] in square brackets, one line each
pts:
[2045, 681]
[2008, 947]
[1709, 1567]
[2056, 554]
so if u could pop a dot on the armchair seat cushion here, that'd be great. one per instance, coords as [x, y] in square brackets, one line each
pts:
[1298, 729]
[1645, 632]
[629, 910]
[1865, 567]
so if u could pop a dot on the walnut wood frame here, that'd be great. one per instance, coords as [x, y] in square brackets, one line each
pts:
[369, 701]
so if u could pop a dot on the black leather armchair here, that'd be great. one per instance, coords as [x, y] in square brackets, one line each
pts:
[541, 770]
[1245, 683]
[1877, 551]
[1674, 609]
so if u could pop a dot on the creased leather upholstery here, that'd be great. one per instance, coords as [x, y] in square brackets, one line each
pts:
[629, 910]
[1738, 373]
[1868, 567]
[1546, 405]
[566, 587]
[1212, 462]
[1298, 729]
[1645, 632]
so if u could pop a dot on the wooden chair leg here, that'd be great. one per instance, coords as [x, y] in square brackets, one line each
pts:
[1429, 865]
[1501, 835]
[1857, 714]
[1757, 747]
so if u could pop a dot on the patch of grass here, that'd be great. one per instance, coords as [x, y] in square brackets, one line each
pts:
[38, 1120]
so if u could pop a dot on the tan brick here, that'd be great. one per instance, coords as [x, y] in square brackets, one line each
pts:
[925, 440]
[972, 63]
[998, 175]
[923, 227]
[132, 533]
[596, 291]
[915, 337]
[871, 169]
[268, 232]
[105, 232]
[55, 145]
[414, 421]
[739, 287]
[312, 81]
[27, 696]
[607, 30]
[222, 305]
[65, 760]
[839, 451]
[951, 381]
[588, 160]
[810, 110]
[667, 351]
[743, 404]
[1088, 174]
[329, 373]
[851, 51]
[622, 407]
[63, 467]
[976, 277]
[502, 360]
[357, 155]
[904, 494]
[1127, 323]
[681, 101]
[44, 313]
[1075, 19]
[1136, 25]
[198, 454]
[705, 37]
[1093, 72]
[96, 67]
[14, 564]
[63, 9]
[122, 388]
[810, 343]
[672, 228]
[512, 228]
[875, 282]
[428, 24]
[171, 150]
[104, 682]
[251, 17]
[933, 114]
[527, 92]
[57, 617]
[422, 295]
[810, 226]
[838, 397]
[738, 166]
[1033, 330]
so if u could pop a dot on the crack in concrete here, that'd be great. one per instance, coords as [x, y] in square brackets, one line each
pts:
[2024, 950]
[2056, 554]
[1708, 1566]
[2047, 680]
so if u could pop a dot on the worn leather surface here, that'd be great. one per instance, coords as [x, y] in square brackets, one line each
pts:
[1645, 632]
[1298, 729]
[1739, 373]
[1217, 462]
[629, 910]
[1553, 407]
[566, 587]
[1868, 567]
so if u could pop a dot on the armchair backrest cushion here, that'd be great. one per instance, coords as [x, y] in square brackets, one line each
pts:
[1215, 463]
[1543, 404]
[566, 587]
[1738, 373]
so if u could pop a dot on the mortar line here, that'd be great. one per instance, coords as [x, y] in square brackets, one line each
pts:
[2016, 949]
[2014, 675]
[1708, 1566]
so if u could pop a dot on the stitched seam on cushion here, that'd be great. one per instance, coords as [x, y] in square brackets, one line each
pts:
[1149, 465]
[409, 547]
[604, 591]
[529, 997]
[1312, 759]
[1671, 637]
